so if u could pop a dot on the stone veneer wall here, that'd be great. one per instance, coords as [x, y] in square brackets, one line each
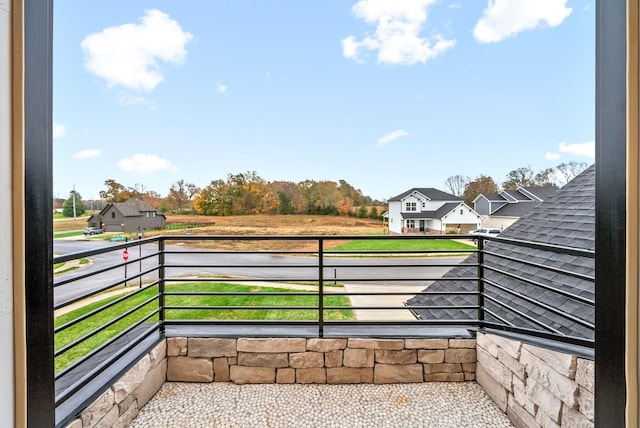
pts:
[120, 404]
[536, 387]
[332, 361]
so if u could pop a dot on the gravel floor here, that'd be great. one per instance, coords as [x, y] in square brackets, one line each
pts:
[218, 404]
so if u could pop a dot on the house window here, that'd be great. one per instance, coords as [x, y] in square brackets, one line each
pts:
[154, 214]
[461, 212]
[411, 224]
[424, 204]
[113, 215]
[147, 214]
[410, 206]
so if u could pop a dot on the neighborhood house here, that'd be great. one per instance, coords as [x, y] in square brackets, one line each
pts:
[502, 209]
[429, 210]
[127, 217]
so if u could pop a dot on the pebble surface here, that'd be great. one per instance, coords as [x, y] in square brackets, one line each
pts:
[221, 404]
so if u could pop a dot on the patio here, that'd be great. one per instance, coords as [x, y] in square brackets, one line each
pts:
[437, 404]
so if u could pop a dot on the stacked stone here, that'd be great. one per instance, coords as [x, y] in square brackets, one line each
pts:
[120, 404]
[536, 387]
[319, 361]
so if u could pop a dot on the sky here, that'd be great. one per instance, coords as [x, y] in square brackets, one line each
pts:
[387, 95]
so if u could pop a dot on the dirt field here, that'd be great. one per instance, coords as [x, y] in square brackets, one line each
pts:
[273, 225]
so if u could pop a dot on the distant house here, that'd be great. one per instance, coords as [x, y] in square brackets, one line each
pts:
[429, 210]
[127, 216]
[502, 209]
[567, 219]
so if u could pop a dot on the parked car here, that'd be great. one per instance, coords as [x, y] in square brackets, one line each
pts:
[486, 231]
[93, 231]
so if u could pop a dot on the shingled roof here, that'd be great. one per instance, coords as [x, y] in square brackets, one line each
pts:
[429, 192]
[132, 208]
[566, 219]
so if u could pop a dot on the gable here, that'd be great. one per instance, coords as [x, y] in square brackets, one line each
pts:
[568, 220]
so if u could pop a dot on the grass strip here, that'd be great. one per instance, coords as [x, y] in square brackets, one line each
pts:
[93, 322]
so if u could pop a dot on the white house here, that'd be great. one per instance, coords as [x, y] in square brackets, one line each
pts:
[502, 209]
[428, 210]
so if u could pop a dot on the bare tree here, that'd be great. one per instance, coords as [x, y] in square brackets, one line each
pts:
[457, 183]
[565, 172]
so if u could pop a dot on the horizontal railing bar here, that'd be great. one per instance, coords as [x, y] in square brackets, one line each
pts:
[337, 279]
[68, 392]
[94, 293]
[541, 266]
[550, 308]
[493, 314]
[98, 272]
[229, 307]
[313, 293]
[538, 284]
[103, 327]
[108, 249]
[102, 308]
[521, 314]
[546, 247]
[573, 340]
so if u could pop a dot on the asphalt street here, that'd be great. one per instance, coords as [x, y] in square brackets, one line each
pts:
[181, 262]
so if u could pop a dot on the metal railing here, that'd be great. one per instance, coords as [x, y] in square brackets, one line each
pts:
[109, 307]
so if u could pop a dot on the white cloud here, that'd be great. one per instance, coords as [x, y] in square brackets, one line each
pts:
[392, 136]
[587, 149]
[128, 55]
[397, 37]
[144, 164]
[221, 89]
[506, 18]
[58, 130]
[128, 100]
[552, 156]
[87, 154]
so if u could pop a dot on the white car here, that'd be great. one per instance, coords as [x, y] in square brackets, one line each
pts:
[486, 231]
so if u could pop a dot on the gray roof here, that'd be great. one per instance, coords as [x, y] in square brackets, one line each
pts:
[542, 192]
[132, 208]
[517, 195]
[493, 197]
[439, 213]
[514, 210]
[429, 192]
[566, 219]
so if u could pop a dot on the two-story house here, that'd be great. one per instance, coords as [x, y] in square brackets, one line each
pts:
[429, 210]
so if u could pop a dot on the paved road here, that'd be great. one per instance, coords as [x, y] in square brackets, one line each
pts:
[362, 270]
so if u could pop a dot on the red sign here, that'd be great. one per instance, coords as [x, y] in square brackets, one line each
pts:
[125, 255]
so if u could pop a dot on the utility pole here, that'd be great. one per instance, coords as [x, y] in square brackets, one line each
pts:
[73, 195]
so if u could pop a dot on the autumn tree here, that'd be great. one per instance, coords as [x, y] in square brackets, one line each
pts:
[523, 176]
[116, 192]
[214, 199]
[457, 184]
[181, 194]
[482, 184]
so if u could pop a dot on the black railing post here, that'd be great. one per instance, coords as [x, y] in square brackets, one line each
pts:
[161, 314]
[320, 287]
[481, 281]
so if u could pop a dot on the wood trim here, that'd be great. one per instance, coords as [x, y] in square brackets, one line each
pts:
[17, 199]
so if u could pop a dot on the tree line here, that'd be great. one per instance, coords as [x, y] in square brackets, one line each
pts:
[558, 176]
[248, 193]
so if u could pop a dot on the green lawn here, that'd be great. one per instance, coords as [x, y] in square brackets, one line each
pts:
[67, 234]
[69, 335]
[403, 245]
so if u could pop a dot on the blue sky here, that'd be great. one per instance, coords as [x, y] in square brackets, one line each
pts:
[387, 95]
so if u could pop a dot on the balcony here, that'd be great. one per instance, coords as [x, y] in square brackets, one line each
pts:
[278, 310]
